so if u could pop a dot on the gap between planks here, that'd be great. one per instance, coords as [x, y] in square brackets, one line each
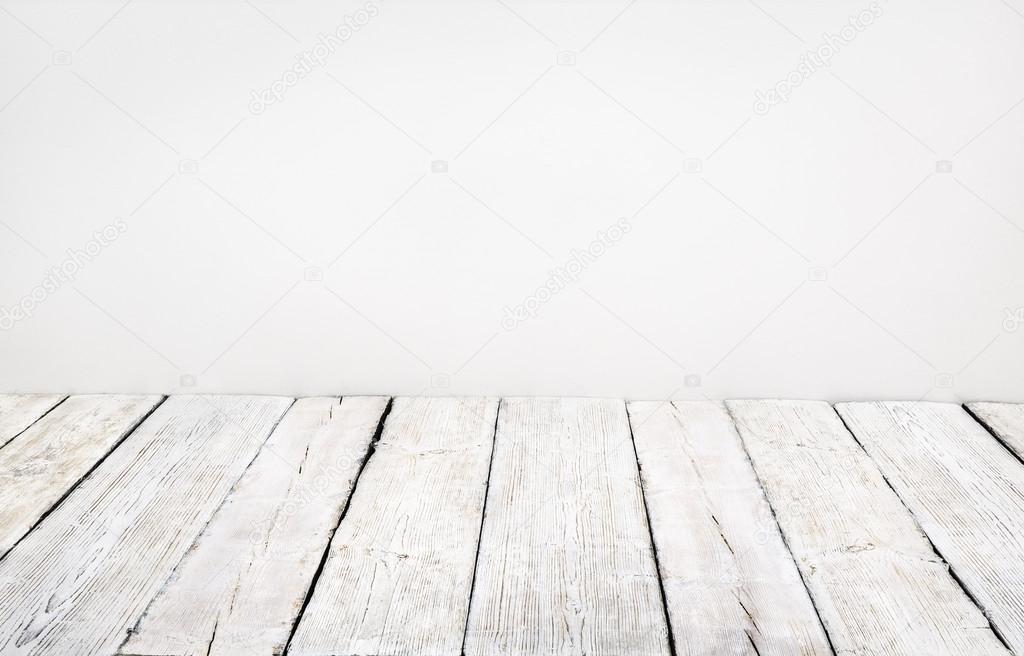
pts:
[650, 532]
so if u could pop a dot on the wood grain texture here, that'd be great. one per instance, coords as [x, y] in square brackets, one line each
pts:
[1006, 420]
[566, 564]
[18, 411]
[966, 490]
[878, 586]
[398, 577]
[84, 576]
[731, 584]
[51, 456]
[241, 586]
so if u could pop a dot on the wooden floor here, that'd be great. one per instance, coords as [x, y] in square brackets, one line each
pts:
[206, 525]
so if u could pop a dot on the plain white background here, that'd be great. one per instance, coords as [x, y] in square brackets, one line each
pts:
[370, 229]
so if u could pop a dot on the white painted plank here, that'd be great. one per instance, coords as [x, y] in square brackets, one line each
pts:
[966, 490]
[566, 564]
[878, 586]
[83, 577]
[241, 586]
[730, 582]
[398, 577]
[18, 411]
[1005, 420]
[51, 456]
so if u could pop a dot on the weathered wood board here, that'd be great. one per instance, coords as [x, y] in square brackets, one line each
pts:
[241, 586]
[19, 411]
[731, 584]
[966, 490]
[566, 564]
[398, 576]
[877, 584]
[78, 582]
[56, 452]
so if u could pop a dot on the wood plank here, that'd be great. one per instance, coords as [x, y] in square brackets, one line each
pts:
[19, 411]
[566, 564]
[878, 585]
[241, 586]
[965, 489]
[83, 577]
[1006, 420]
[56, 452]
[398, 577]
[730, 582]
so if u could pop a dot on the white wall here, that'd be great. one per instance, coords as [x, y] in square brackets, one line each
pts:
[810, 248]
